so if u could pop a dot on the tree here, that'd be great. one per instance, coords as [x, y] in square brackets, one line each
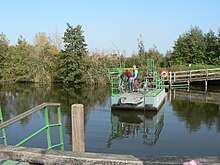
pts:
[211, 51]
[218, 47]
[4, 54]
[189, 47]
[56, 41]
[21, 65]
[141, 49]
[71, 59]
[154, 54]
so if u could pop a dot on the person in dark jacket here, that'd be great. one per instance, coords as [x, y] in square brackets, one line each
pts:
[130, 80]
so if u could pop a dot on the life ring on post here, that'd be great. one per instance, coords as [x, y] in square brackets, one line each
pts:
[164, 73]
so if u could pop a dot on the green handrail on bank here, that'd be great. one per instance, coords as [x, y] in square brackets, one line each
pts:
[47, 126]
[3, 130]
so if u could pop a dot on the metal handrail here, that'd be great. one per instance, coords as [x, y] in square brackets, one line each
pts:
[47, 126]
[3, 130]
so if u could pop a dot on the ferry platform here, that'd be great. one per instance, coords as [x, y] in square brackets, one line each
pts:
[152, 100]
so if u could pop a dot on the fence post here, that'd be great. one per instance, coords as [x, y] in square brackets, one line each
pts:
[77, 115]
[206, 85]
[174, 79]
[170, 80]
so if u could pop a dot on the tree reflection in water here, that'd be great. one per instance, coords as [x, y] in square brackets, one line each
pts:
[130, 124]
[194, 111]
[18, 98]
[125, 131]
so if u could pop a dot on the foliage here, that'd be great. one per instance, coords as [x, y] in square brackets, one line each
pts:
[20, 62]
[189, 47]
[28, 63]
[96, 72]
[45, 58]
[194, 47]
[71, 59]
[212, 49]
[4, 52]
[141, 49]
[45, 62]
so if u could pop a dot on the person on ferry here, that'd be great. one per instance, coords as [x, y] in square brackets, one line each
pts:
[130, 80]
[135, 75]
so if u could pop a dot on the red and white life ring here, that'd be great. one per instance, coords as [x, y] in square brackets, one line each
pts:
[164, 73]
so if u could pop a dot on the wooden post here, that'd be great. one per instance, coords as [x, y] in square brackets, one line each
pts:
[174, 79]
[206, 73]
[170, 95]
[190, 75]
[188, 83]
[206, 84]
[77, 112]
[206, 81]
[170, 80]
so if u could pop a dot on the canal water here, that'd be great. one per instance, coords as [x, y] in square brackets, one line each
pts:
[187, 124]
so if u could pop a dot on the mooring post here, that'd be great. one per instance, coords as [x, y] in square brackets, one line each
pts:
[77, 112]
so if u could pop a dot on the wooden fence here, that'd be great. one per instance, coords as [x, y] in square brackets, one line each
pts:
[194, 75]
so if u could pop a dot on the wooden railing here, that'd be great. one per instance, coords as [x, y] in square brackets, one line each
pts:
[195, 75]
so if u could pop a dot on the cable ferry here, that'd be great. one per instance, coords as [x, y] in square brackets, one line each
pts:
[149, 96]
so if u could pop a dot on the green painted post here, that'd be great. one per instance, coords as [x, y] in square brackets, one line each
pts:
[47, 124]
[60, 127]
[3, 129]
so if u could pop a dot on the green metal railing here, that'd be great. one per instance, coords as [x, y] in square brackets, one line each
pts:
[178, 86]
[115, 80]
[46, 128]
[3, 130]
[152, 79]
[114, 77]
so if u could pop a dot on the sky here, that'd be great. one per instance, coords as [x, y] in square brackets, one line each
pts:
[110, 25]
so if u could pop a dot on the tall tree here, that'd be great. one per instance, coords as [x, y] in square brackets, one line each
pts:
[71, 63]
[21, 63]
[40, 56]
[211, 51]
[4, 53]
[141, 49]
[189, 47]
[218, 47]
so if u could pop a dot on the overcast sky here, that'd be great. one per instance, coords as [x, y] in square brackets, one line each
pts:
[110, 24]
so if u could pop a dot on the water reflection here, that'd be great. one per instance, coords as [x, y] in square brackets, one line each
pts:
[130, 124]
[197, 108]
[184, 126]
[17, 98]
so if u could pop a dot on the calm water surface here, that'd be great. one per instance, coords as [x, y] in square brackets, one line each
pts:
[187, 124]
